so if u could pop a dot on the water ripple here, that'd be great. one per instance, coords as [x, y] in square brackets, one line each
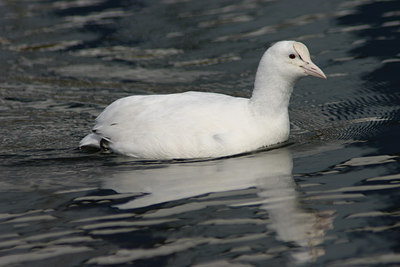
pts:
[318, 201]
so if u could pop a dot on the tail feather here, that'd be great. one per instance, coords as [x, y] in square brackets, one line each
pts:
[90, 141]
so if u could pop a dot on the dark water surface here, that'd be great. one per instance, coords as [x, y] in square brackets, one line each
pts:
[329, 198]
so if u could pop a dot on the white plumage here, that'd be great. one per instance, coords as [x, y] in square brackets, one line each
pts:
[198, 125]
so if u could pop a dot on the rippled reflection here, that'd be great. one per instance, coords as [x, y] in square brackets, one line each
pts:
[64, 61]
[270, 173]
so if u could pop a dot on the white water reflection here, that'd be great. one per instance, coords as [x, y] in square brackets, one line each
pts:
[169, 182]
[270, 172]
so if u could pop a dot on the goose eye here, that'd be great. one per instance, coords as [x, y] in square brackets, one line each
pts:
[292, 56]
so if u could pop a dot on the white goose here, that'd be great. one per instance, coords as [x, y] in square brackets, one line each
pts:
[200, 125]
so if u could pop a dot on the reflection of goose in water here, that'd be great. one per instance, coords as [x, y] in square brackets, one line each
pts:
[178, 181]
[270, 172]
[289, 220]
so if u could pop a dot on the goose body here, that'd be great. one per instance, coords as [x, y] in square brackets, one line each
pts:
[199, 125]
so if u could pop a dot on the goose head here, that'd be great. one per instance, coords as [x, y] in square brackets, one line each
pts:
[292, 60]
